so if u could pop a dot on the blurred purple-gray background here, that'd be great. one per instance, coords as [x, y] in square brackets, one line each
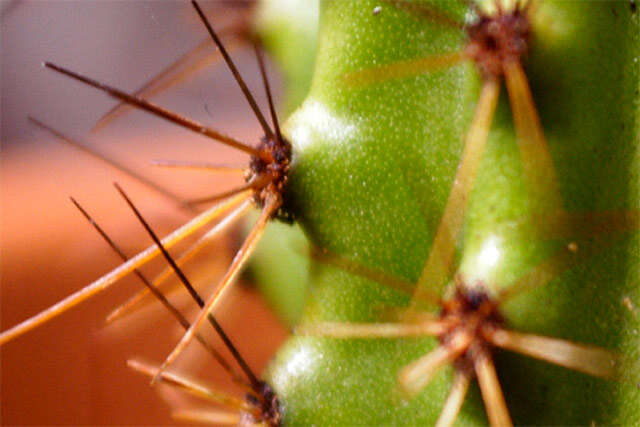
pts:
[72, 371]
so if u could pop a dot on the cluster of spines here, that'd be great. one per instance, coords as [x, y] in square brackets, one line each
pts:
[266, 179]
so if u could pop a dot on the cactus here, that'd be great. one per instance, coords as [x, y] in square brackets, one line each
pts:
[429, 199]
[383, 147]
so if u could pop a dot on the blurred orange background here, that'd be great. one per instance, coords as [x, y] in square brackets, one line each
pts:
[72, 370]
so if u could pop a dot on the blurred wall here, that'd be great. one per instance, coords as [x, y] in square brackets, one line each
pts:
[72, 371]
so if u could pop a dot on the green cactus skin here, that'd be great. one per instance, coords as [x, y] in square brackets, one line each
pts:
[279, 267]
[372, 170]
[289, 30]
